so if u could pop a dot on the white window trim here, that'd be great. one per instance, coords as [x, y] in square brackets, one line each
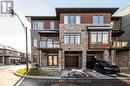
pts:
[65, 20]
[77, 19]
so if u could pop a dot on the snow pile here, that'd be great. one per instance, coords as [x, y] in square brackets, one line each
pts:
[74, 74]
[83, 74]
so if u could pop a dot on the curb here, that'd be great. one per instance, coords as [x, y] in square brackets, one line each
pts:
[36, 77]
[53, 78]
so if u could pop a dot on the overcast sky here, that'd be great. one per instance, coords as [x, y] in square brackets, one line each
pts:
[11, 30]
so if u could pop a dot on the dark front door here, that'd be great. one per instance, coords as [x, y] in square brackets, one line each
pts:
[71, 61]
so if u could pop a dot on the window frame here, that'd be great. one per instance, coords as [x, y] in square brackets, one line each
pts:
[73, 37]
[53, 63]
[35, 42]
[72, 19]
[35, 24]
[100, 19]
[102, 41]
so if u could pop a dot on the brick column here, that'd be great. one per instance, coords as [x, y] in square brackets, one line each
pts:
[84, 59]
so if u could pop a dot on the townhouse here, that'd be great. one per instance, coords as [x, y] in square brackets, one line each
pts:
[75, 36]
[122, 24]
[9, 55]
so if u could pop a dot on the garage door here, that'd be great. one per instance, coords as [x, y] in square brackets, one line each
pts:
[71, 61]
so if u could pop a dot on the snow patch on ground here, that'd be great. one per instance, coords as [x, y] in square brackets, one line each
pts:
[83, 74]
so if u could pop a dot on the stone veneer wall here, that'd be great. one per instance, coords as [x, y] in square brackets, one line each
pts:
[34, 51]
[106, 56]
[74, 28]
[122, 58]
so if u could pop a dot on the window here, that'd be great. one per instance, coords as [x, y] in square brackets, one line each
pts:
[105, 38]
[52, 60]
[98, 19]
[49, 43]
[35, 58]
[93, 37]
[72, 38]
[37, 25]
[35, 42]
[43, 44]
[6, 6]
[52, 24]
[99, 37]
[71, 19]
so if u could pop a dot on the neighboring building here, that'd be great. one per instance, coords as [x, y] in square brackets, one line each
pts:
[9, 55]
[122, 25]
[73, 37]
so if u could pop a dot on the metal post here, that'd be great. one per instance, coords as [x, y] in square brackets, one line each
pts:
[26, 48]
[26, 33]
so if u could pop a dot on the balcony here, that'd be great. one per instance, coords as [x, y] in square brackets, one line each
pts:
[49, 32]
[49, 45]
[117, 32]
[117, 45]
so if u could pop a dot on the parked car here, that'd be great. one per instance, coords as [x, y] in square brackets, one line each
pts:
[103, 67]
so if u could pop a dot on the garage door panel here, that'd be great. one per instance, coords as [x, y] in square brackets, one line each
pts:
[71, 61]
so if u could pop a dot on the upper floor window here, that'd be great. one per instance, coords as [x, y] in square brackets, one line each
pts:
[52, 25]
[71, 19]
[37, 25]
[99, 37]
[35, 42]
[98, 19]
[72, 38]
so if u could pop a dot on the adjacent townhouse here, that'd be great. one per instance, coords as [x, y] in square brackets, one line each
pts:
[73, 37]
[9, 55]
[122, 40]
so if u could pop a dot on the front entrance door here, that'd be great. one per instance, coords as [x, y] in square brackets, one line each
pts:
[71, 61]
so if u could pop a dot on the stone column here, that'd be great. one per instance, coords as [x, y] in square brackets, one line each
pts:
[63, 60]
[59, 59]
[113, 57]
[40, 59]
[3, 60]
[106, 55]
[84, 59]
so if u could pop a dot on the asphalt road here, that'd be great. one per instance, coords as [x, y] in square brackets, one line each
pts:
[88, 82]
[7, 77]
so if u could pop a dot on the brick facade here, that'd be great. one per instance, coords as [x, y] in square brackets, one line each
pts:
[87, 18]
